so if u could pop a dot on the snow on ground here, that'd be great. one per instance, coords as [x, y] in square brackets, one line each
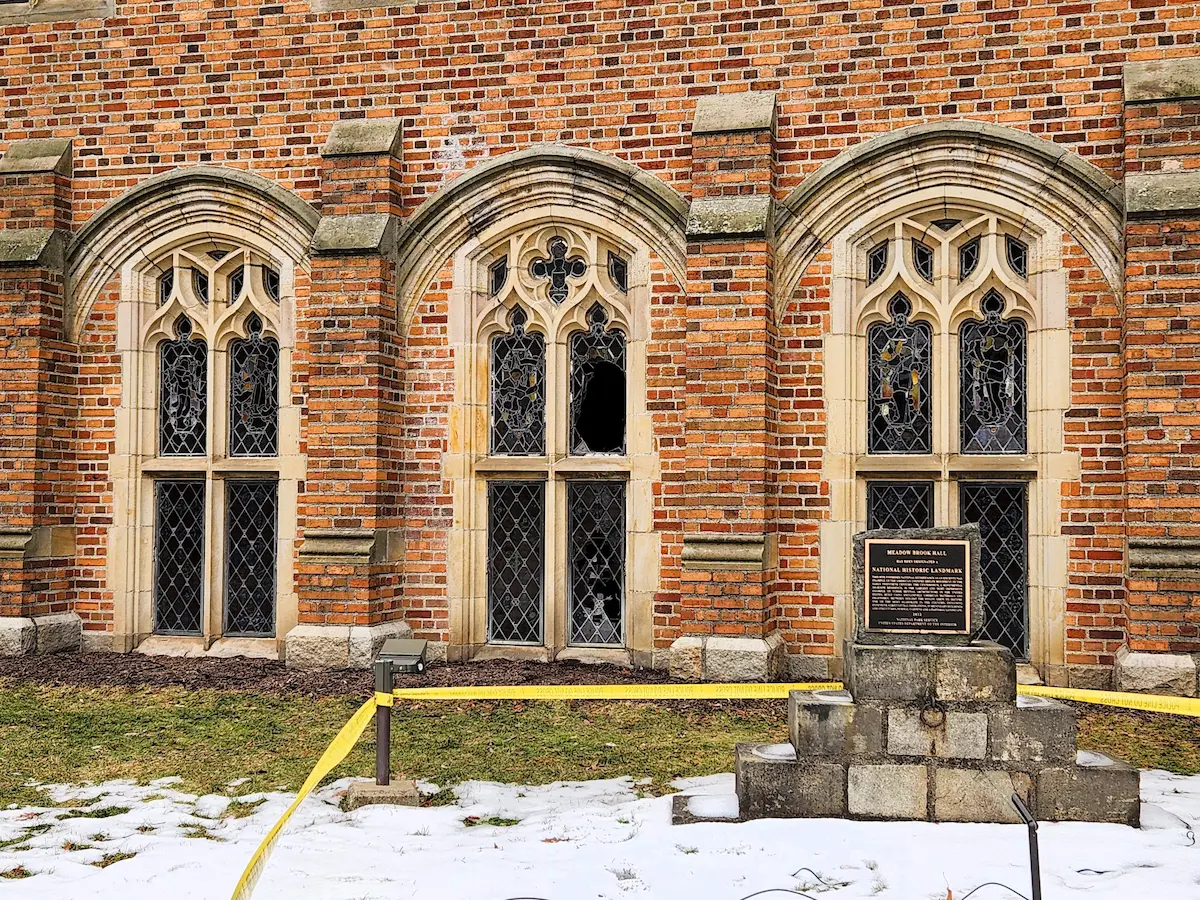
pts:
[574, 840]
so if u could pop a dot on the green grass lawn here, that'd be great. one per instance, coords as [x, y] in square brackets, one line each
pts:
[210, 738]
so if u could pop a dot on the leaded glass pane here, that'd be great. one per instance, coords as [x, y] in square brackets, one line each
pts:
[899, 504]
[923, 259]
[618, 270]
[516, 548]
[1018, 255]
[498, 275]
[271, 283]
[968, 258]
[200, 284]
[596, 557]
[254, 393]
[178, 556]
[899, 370]
[597, 387]
[166, 284]
[999, 508]
[557, 268]
[237, 283]
[182, 393]
[877, 262]
[518, 390]
[992, 362]
[251, 511]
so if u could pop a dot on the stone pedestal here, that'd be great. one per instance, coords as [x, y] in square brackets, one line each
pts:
[931, 733]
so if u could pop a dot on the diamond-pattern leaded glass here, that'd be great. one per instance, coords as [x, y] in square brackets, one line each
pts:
[899, 504]
[899, 361]
[558, 268]
[597, 387]
[251, 510]
[596, 559]
[992, 381]
[254, 393]
[518, 390]
[178, 556]
[999, 508]
[182, 393]
[515, 560]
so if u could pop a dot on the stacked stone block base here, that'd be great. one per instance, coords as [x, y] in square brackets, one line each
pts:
[935, 734]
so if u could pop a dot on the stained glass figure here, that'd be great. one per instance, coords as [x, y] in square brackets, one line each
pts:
[518, 390]
[597, 387]
[178, 556]
[254, 393]
[251, 511]
[516, 555]
[596, 560]
[1018, 255]
[968, 258]
[558, 268]
[923, 260]
[877, 262]
[618, 270]
[182, 393]
[992, 380]
[899, 369]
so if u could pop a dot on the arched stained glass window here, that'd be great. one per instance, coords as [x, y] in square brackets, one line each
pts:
[597, 387]
[518, 390]
[899, 369]
[254, 393]
[182, 393]
[992, 404]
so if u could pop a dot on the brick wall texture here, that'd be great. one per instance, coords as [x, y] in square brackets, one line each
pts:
[734, 378]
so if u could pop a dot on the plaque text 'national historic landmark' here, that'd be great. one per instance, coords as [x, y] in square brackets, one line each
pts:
[918, 586]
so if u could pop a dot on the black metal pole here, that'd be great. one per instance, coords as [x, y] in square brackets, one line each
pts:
[1035, 865]
[383, 724]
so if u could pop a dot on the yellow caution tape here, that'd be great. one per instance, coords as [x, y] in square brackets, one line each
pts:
[1180, 706]
[616, 692]
[333, 755]
[384, 699]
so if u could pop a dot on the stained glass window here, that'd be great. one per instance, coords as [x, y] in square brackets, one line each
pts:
[166, 284]
[200, 284]
[596, 557]
[899, 369]
[946, 224]
[597, 387]
[497, 275]
[518, 390]
[251, 510]
[1017, 254]
[923, 259]
[178, 556]
[899, 504]
[992, 380]
[557, 268]
[254, 393]
[968, 258]
[877, 262]
[618, 270]
[999, 508]
[271, 283]
[182, 393]
[237, 283]
[516, 553]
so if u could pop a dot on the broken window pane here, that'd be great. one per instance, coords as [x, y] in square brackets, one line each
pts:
[596, 534]
[597, 387]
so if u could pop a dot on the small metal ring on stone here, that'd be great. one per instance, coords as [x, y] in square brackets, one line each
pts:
[933, 717]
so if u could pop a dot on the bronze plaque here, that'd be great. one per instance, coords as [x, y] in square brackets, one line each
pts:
[922, 587]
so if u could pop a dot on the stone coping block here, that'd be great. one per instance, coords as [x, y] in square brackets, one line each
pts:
[1096, 789]
[732, 217]
[713, 658]
[361, 234]
[44, 247]
[339, 646]
[968, 533]
[18, 636]
[981, 672]
[888, 792]
[1155, 673]
[347, 546]
[26, 13]
[742, 111]
[38, 155]
[1162, 79]
[724, 552]
[831, 724]
[365, 137]
[365, 793]
[1147, 196]
[769, 784]
[59, 633]
[979, 795]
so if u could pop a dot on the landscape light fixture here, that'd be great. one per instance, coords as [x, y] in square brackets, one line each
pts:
[397, 655]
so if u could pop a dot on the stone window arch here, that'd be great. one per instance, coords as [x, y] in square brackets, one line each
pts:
[209, 439]
[555, 449]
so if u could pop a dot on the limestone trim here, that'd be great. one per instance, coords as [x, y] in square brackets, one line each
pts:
[1032, 177]
[31, 11]
[38, 155]
[201, 198]
[477, 314]
[1039, 300]
[147, 315]
[1162, 79]
[549, 175]
[32, 247]
[737, 111]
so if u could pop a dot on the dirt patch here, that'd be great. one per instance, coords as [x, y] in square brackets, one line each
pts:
[265, 676]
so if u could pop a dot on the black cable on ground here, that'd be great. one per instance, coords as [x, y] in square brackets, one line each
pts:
[995, 884]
